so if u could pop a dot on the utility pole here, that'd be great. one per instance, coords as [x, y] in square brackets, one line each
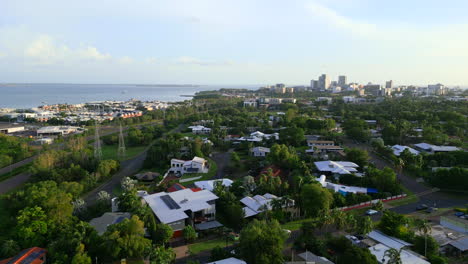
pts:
[121, 150]
[97, 142]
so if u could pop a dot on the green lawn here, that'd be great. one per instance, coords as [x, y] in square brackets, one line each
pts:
[207, 245]
[411, 198]
[204, 176]
[295, 225]
[110, 151]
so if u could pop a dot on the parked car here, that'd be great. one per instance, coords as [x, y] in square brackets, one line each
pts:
[287, 231]
[459, 214]
[431, 209]
[422, 207]
[353, 239]
[371, 212]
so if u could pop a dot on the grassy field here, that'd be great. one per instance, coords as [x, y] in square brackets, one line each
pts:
[411, 198]
[207, 245]
[295, 225]
[110, 151]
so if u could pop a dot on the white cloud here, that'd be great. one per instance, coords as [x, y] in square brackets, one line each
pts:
[200, 62]
[330, 16]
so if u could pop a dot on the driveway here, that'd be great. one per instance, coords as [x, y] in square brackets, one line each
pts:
[222, 160]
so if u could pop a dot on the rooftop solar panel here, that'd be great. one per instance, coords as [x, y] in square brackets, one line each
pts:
[170, 202]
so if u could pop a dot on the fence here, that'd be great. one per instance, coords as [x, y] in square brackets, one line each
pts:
[370, 203]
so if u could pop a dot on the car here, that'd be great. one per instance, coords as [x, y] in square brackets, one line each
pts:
[287, 231]
[371, 212]
[353, 239]
[459, 214]
[422, 207]
[431, 209]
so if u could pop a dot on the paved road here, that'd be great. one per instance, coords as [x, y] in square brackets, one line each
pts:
[14, 182]
[127, 168]
[425, 193]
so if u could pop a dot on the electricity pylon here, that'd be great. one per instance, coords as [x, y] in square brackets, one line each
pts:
[121, 151]
[97, 142]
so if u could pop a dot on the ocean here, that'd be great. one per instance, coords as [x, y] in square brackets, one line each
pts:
[33, 95]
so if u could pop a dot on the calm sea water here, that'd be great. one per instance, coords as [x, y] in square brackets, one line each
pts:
[33, 95]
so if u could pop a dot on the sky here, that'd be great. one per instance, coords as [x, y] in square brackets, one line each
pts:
[233, 42]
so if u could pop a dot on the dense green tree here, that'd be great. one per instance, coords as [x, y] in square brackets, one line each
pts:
[162, 255]
[364, 225]
[315, 198]
[189, 233]
[262, 242]
[355, 254]
[126, 239]
[81, 256]
[163, 234]
[358, 156]
[9, 248]
[219, 253]
[33, 226]
[394, 224]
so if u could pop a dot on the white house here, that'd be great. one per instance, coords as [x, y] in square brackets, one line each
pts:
[184, 207]
[259, 151]
[250, 103]
[429, 148]
[209, 185]
[259, 203]
[384, 243]
[200, 129]
[337, 167]
[196, 165]
[343, 189]
[229, 261]
[398, 149]
[265, 136]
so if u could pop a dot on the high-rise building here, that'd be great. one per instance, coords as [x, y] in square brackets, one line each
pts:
[324, 82]
[342, 81]
[389, 84]
[373, 89]
[436, 89]
[314, 85]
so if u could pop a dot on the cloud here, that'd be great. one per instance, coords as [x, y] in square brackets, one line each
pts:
[331, 17]
[199, 62]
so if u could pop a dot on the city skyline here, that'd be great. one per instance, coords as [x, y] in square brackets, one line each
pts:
[223, 42]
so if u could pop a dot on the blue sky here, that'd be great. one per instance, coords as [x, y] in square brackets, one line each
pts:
[233, 42]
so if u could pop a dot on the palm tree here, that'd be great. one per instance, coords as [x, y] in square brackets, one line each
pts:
[393, 255]
[425, 228]
[339, 218]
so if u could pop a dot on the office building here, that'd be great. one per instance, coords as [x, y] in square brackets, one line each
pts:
[324, 82]
[389, 84]
[342, 81]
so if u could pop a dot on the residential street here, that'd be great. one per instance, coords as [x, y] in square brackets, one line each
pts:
[426, 194]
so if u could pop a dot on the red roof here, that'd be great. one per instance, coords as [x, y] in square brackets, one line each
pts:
[275, 170]
[34, 255]
[195, 189]
[175, 187]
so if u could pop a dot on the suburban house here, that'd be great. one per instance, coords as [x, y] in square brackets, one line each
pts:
[196, 165]
[259, 203]
[209, 185]
[429, 148]
[398, 149]
[310, 257]
[250, 103]
[259, 151]
[147, 176]
[336, 168]
[344, 189]
[228, 261]
[258, 136]
[184, 207]
[314, 143]
[11, 128]
[34, 255]
[200, 129]
[323, 151]
[101, 223]
[378, 243]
